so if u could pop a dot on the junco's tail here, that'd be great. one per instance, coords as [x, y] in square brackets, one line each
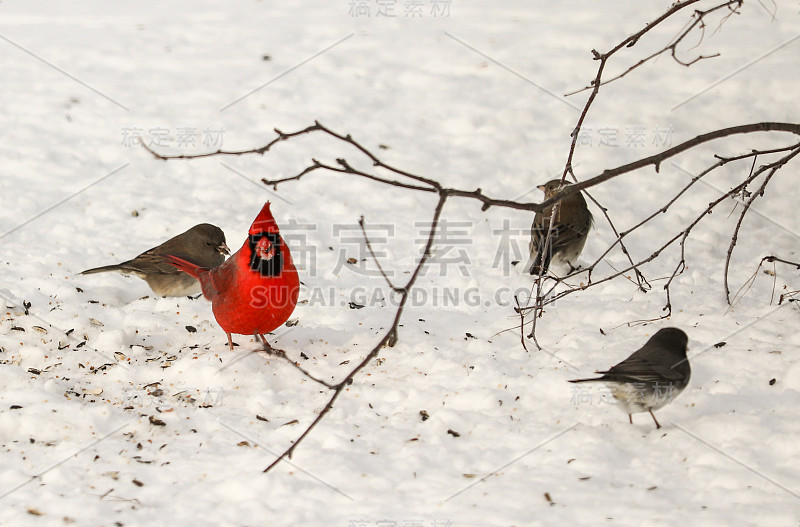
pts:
[586, 380]
[105, 269]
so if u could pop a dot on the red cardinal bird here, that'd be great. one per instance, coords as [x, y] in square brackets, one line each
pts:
[255, 290]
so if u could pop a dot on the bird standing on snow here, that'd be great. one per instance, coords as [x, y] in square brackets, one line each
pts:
[568, 235]
[652, 376]
[256, 290]
[203, 244]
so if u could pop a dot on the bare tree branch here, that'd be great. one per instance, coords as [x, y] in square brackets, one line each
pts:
[683, 235]
[771, 169]
[750, 281]
[598, 81]
[697, 20]
[776, 259]
[375, 258]
[388, 338]
[434, 186]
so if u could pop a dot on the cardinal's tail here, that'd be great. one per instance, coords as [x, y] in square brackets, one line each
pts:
[185, 266]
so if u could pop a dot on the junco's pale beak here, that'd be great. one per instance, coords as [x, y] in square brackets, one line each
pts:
[223, 249]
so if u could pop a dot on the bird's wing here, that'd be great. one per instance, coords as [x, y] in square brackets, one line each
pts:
[562, 235]
[637, 369]
[215, 282]
[149, 263]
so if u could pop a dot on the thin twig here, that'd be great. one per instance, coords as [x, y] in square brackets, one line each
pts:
[776, 259]
[772, 169]
[273, 352]
[522, 338]
[375, 258]
[696, 20]
[260, 150]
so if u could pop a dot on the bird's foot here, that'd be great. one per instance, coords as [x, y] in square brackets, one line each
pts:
[269, 349]
[574, 269]
[654, 419]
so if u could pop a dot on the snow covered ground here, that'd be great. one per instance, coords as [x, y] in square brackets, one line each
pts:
[114, 412]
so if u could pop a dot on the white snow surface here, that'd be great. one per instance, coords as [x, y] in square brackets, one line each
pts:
[472, 97]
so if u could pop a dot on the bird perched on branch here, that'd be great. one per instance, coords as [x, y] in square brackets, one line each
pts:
[568, 235]
[203, 244]
[256, 289]
[652, 376]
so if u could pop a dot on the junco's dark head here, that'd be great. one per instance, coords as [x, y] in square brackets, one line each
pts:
[670, 339]
[568, 234]
[652, 376]
[209, 235]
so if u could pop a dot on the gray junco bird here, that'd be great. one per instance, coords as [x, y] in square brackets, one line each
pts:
[203, 244]
[652, 376]
[572, 224]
